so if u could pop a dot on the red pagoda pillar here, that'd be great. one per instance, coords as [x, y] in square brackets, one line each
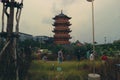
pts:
[61, 29]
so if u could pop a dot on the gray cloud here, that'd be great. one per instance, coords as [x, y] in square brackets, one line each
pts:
[63, 4]
[54, 8]
[46, 20]
[68, 2]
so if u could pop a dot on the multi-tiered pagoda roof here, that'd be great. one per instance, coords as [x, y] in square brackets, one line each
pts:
[61, 29]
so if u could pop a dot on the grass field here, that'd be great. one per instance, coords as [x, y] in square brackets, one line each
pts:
[70, 70]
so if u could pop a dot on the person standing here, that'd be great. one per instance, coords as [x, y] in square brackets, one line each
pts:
[78, 55]
[60, 56]
[104, 58]
[91, 56]
[44, 58]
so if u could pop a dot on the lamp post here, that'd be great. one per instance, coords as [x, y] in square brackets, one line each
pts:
[93, 76]
[93, 31]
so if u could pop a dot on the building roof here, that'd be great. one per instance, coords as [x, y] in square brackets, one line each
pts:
[61, 15]
[78, 43]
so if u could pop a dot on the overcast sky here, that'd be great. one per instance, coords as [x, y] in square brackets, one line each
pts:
[36, 18]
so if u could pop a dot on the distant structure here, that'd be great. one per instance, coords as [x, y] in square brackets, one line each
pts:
[24, 36]
[40, 39]
[61, 29]
[78, 43]
[43, 39]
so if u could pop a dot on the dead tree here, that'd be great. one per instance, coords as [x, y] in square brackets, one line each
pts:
[8, 55]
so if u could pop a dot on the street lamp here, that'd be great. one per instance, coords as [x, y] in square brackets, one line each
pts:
[93, 31]
[93, 76]
[93, 36]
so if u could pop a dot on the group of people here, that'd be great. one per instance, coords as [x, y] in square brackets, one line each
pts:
[60, 57]
[91, 56]
[104, 57]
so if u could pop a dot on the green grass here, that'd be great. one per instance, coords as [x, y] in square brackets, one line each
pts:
[71, 70]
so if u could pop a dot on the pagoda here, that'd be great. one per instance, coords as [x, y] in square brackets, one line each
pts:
[61, 29]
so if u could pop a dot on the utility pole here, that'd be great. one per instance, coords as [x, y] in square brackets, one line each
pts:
[105, 39]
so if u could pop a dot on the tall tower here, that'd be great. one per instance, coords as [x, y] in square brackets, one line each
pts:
[61, 29]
